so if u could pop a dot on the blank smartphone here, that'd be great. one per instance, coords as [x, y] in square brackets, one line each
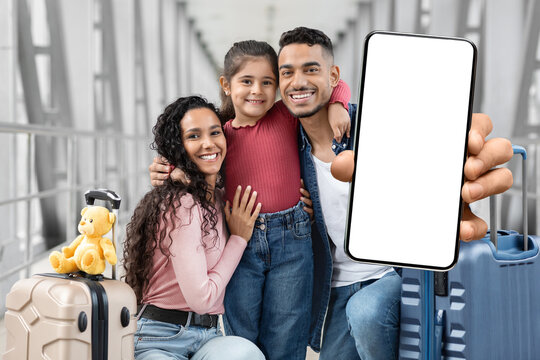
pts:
[414, 115]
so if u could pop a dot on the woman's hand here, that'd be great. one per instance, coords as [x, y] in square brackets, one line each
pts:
[241, 217]
[306, 199]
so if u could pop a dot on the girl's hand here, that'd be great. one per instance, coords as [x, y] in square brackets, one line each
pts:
[306, 199]
[339, 120]
[240, 217]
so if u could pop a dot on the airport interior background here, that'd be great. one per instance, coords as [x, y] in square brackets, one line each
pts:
[83, 81]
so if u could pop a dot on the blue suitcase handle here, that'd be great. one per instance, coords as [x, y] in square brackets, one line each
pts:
[508, 250]
[520, 150]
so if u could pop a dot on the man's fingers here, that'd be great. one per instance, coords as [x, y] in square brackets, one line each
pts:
[158, 176]
[494, 152]
[306, 197]
[306, 201]
[471, 227]
[309, 211]
[304, 192]
[159, 168]
[157, 182]
[160, 163]
[495, 181]
[158, 179]
[481, 127]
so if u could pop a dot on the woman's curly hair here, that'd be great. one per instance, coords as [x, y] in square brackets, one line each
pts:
[155, 213]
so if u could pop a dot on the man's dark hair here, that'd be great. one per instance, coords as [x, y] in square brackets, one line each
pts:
[304, 35]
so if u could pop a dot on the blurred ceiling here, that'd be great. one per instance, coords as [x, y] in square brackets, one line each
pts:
[221, 23]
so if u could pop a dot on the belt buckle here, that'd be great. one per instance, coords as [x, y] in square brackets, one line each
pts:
[205, 320]
[197, 319]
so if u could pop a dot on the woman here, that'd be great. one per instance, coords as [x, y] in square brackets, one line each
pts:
[178, 255]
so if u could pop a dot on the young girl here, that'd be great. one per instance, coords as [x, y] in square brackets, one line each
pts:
[177, 256]
[268, 299]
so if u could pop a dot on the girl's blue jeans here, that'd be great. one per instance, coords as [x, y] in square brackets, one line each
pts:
[268, 300]
[156, 340]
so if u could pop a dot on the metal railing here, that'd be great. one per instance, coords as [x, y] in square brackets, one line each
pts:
[125, 170]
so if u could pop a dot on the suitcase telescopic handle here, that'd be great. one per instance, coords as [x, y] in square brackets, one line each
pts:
[493, 205]
[105, 195]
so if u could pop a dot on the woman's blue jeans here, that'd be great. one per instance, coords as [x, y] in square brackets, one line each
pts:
[362, 321]
[156, 340]
[268, 300]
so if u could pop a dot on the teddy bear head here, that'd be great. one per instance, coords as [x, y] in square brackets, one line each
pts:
[96, 221]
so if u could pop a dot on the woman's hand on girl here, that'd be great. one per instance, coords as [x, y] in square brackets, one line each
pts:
[241, 217]
[306, 199]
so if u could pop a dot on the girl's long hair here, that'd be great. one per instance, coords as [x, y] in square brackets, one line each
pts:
[235, 59]
[155, 215]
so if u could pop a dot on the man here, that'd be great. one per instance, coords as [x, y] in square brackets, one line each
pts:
[357, 303]
[362, 317]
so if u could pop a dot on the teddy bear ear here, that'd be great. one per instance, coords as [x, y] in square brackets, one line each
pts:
[83, 211]
[112, 218]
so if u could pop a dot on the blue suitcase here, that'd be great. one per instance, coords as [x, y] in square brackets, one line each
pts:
[486, 307]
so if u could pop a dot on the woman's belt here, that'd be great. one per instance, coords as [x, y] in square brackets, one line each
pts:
[177, 317]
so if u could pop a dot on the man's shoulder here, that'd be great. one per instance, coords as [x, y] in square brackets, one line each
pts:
[352, 111]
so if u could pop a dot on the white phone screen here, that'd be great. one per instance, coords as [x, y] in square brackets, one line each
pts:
[410, 147]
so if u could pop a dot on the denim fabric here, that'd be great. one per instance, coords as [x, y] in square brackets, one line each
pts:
[156, 340]
[363, 320]
[268, 300]
[322, 255]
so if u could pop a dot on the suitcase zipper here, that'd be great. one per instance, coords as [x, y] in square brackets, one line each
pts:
[100, 321]
[429, 313]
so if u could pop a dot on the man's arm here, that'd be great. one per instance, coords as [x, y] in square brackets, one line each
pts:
[481, 180]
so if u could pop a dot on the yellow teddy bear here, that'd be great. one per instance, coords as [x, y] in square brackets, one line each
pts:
[90, 249]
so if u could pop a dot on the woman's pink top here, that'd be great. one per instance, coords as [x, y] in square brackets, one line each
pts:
[265, 156]
[195, 277]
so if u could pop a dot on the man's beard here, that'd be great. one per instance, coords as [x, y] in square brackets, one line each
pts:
[307, 113]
